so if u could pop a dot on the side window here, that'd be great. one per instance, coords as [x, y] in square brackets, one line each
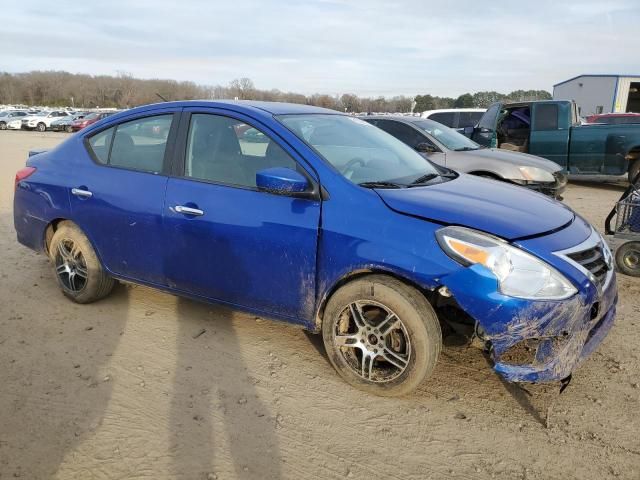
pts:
[402, 132]
[546, 117]
[225, 150]
[138, 145]
[445, 118]
[468, 119]
[101, 143]
[488, 120]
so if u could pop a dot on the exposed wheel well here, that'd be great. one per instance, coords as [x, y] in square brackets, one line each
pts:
[430, 295]
[50, 230]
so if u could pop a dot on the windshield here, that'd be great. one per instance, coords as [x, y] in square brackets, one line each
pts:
[447, 136]
[358, 150]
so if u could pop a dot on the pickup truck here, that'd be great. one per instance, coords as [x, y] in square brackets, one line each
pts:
[552, 129]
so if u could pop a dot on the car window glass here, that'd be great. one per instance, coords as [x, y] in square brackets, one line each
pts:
[140, 144]
[468, 119]
[445, 118]
[401, 131]
[488, 120]
[100, 144]
[225, 150]
[546, 117]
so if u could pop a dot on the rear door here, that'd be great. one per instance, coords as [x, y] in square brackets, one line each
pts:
[235, 243]
[117, 194]
[550, 130]
[485, 133]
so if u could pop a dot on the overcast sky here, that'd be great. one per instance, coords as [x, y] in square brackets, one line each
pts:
[371, 47]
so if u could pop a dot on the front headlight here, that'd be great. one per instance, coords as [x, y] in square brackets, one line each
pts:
[519, 274]
[534, 174]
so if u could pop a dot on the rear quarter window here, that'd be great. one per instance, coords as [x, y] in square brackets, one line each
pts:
[100, 144]
[546, 117]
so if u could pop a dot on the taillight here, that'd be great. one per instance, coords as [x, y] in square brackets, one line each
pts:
[24, 173]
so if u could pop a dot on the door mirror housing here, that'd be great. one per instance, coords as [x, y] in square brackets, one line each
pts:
[468, 131]
[281, 181]
[425, 147]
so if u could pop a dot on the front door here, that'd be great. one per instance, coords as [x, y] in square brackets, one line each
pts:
[486, 132]
[550, 131]
[226, 240]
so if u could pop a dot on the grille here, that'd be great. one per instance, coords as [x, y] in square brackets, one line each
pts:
[593, 260]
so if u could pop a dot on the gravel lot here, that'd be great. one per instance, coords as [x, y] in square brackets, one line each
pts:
[131, 388]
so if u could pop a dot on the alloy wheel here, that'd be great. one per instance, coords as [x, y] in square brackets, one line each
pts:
[372, 341]
[71, 266]
[632, 259]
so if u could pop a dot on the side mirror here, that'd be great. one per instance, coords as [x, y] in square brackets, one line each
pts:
[426, 148]
[281, 181]
[468, 131]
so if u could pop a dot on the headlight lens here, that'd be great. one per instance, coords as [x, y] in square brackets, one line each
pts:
[519, 274]
[534, 174]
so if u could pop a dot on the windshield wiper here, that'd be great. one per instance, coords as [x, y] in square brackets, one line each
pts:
[465, 149]
[424, 178]
[381, 184]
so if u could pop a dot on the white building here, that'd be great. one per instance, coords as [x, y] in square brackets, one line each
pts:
[601, 93]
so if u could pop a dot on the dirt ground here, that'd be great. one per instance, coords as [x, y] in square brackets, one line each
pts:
[130, 388]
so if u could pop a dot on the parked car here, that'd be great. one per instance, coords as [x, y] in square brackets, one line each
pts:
[8, 116]
[335, 226]
[89, 119]
[614, 118]
[552, 129]
[458, 118]
[42, 121]
[65, 124]
[444, 146]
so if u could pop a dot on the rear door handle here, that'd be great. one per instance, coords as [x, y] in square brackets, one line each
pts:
[188, 210]
[79, 192]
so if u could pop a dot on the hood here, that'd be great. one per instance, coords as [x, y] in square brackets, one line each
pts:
[515, 158]
[495, 207]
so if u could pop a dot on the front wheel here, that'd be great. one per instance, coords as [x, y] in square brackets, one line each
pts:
[41, 127]
[628, 258]
[78, 271]
[68, 129]
[381, 335]
[3, 125]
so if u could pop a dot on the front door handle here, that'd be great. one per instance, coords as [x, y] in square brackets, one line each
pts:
[188, 210]
[79, 192]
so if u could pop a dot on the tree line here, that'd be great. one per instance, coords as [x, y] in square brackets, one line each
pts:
[64, 89]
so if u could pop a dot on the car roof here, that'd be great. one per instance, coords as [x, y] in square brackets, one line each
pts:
[398, 118]
[454, 110]
[274, 108]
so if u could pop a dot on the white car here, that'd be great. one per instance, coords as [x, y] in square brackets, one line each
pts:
[457, 118]
[8, 116]
[42, 121]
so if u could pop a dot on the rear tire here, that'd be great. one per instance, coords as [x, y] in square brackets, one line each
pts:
[3, 125]
[634, 170]
[41, 127]
[78, 271]
[68, 129]
[628, 258]
[381, 335]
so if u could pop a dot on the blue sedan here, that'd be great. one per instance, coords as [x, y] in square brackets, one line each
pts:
[320, 219]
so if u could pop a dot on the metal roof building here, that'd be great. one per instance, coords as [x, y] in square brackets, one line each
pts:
[601, 93]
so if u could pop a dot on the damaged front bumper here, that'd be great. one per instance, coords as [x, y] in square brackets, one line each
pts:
[535, 341]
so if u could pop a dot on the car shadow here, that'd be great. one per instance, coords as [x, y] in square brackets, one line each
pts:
[614, 186]
[55, 382]
[216, 408]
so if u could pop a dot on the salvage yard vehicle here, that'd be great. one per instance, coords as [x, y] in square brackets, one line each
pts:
[9, 116]
[331, 224]
[456, 118]
[64, 124]
[552, 129]
[42, 121]
[447, 147]
[89, 119]
[614, 118]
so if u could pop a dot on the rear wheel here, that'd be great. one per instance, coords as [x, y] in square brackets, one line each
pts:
[381, 335]
[78, 271]
[3, 125]
[628, 258]
[68, 129]
[41, 127]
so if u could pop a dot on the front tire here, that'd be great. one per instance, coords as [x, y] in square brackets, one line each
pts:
[41, 127]
[68, 129]
[3, 125]
[381, 335]
[78, 271]
[628, 258]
